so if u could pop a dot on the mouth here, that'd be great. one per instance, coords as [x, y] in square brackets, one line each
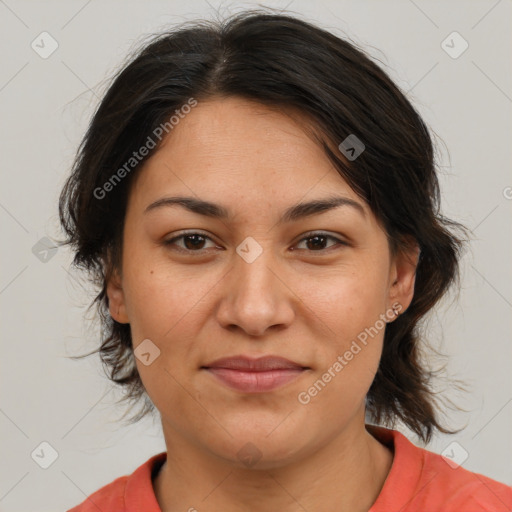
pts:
[251, 375]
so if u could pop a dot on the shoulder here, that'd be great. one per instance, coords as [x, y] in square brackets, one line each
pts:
[108, 498]
[421, 480]
[458, 487]
[127, 493]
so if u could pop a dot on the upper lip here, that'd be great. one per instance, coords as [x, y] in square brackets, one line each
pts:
[260, 364]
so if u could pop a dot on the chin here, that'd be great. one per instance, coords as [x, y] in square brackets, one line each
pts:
[259, 450]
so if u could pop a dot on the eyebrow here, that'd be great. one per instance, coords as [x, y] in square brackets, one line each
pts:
[294, 213]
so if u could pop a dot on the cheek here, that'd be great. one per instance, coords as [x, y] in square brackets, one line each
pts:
[169, 305]
[348, 299]
[158, 294]
[349, 354]
[347, 308]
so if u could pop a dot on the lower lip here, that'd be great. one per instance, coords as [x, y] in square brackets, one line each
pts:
[255, 382]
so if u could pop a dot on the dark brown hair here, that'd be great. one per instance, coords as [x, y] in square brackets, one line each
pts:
[283, 62]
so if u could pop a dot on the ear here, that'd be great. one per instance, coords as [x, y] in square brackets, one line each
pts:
[116, 299]
[403, 276]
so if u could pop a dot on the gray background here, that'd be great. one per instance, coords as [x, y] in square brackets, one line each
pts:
[45, 105]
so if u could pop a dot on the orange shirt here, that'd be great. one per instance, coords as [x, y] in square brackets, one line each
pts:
[419, 481]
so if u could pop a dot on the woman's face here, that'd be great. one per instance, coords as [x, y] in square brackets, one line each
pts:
[252, 284]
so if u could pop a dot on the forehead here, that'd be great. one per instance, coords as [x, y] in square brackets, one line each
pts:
[237, 132]
[234, 148]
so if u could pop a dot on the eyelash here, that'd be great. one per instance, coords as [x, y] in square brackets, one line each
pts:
[309, 235]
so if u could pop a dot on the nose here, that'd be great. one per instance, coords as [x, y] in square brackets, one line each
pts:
[256, 296]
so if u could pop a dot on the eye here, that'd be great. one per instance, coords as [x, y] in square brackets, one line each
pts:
[318, 241]
[193, 242]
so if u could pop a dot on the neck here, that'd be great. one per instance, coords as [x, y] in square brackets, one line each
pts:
[347, 473]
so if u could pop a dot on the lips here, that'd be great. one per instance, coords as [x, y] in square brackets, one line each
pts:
[261, 364]
[251, 375]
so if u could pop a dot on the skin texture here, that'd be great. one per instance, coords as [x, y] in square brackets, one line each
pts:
[298, 300]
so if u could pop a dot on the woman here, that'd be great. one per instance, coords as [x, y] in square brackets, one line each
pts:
[259, 205]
